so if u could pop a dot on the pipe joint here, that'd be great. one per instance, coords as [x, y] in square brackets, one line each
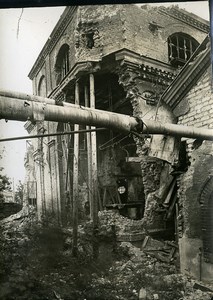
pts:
[38, 111]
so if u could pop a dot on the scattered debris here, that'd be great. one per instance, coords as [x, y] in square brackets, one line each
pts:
[164, 251]
[38, 263]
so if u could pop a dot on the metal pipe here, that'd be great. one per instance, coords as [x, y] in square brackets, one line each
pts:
[155, 127]
[12, 109]
[35, 136]
[26, 97]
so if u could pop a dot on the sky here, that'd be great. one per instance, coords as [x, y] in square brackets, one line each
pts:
[18, 52]
[23, 34]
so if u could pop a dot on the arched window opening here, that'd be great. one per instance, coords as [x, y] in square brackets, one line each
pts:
[206, 202]
[62, 63]
[42, 87]
[180, 48]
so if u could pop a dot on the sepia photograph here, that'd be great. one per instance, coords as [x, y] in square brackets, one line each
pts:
[106, 154]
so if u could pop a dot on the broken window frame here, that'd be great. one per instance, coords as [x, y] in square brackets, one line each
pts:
[181, 46]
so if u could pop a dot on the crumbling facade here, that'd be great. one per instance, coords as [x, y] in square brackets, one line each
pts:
[119, 58]
[190, 97]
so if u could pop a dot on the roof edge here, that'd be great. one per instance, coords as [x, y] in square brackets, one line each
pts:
[52, 40]
[189, 18]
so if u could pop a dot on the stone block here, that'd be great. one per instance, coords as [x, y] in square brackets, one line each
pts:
[142, 294]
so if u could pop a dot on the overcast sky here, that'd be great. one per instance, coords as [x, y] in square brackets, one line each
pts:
[23, 33]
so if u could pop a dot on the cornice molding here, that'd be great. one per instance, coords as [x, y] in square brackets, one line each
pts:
[187, 18]
[148, 69]
[138, 59]
[78, 70]
[52, 40]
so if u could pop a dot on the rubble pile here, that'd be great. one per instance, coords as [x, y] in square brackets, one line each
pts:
[38, 263]
[111, 222]
[18, 280]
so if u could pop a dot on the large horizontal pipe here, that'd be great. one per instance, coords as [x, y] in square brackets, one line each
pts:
[33, 98]
[13, 109]
[26, 97]
[154, 127]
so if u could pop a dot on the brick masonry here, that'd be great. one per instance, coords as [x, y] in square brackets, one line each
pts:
[191, 183]
[200, 101]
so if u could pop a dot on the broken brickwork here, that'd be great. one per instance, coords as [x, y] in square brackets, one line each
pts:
[193, 218]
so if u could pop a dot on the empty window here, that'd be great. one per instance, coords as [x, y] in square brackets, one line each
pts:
[180, 47]
[90, 40]
[62, 63]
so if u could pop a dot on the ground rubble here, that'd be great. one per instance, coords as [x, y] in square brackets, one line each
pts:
[38, 263]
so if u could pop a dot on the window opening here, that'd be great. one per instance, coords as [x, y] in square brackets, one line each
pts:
[62, 63]
[32, 193]
[90, 40]
[180, 48]
[42, 87]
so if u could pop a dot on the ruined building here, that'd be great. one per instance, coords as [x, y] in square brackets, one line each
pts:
[152, 63]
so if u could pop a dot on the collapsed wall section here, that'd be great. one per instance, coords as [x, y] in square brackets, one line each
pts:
[144, 95]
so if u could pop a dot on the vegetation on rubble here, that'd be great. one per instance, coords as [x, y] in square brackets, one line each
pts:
[5, 184]
[38, 264]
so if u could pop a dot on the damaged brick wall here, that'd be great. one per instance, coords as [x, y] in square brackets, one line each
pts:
[149, 29]
[191, 183]
[92, 32]
[89, 38]
[200, 101]
[151, 167]
[96, 34]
